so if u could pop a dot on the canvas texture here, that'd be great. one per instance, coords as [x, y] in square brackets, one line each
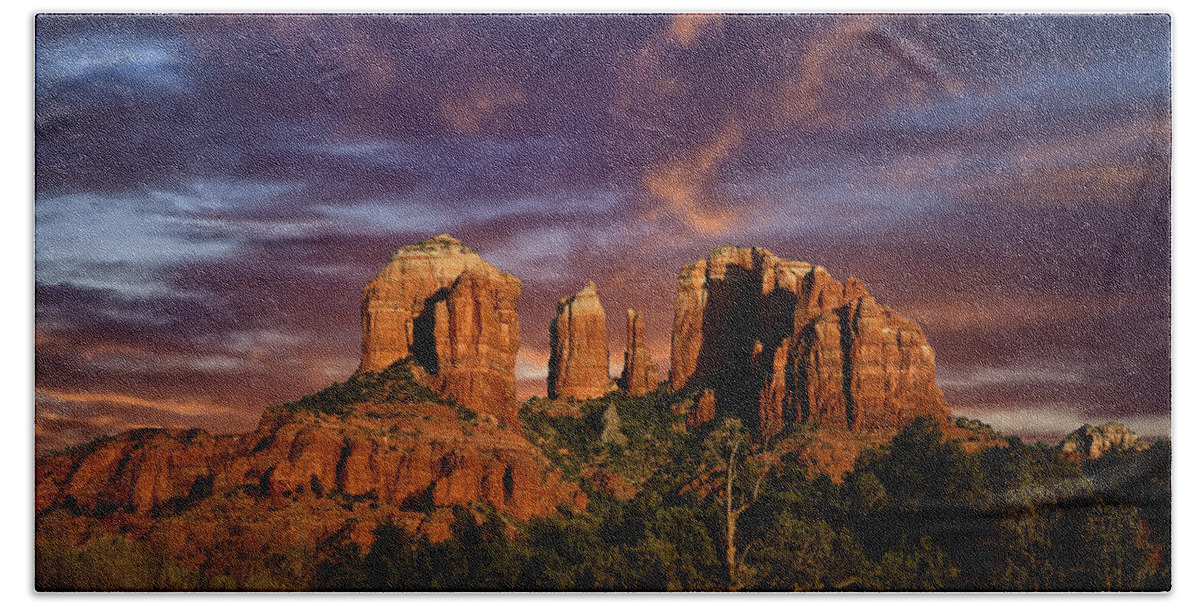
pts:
[703, 302]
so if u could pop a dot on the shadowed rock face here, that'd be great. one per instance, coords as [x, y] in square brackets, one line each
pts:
[578, 348]
[441, 303]
[781, 341]
[640, 374]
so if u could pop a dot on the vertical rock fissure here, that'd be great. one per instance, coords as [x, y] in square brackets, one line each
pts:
[847, 366]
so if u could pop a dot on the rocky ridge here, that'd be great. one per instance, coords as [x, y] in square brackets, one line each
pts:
[397, 449]
[1092, 442]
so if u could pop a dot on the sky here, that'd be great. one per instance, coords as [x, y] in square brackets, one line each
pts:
[213, 192]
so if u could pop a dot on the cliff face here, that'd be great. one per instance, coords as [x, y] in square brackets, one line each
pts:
[419, 453]
[300, 479]
[578, 348]
[781, 341]
[441, 303]
[640, 374]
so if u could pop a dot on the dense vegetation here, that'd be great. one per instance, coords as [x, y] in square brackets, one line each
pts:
[394, 384]
[917, 513]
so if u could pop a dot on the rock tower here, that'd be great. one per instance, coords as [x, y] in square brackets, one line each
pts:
[578, 348]
[440, 303]
[640, 374]
[781, 341]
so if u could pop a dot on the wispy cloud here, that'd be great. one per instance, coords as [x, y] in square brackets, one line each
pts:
[108, 59]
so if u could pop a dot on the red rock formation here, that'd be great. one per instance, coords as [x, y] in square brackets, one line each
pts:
[441, 303]
[399, 456]
[578, 348]
[703, 409]
[640, 374]
[613, 485]
[787, 336]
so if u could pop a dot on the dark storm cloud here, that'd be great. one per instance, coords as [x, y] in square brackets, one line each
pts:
[213, 191]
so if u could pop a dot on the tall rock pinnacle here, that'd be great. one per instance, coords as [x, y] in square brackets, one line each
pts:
[578, 348]
[782, 341]
[440, 303]
[640, 375]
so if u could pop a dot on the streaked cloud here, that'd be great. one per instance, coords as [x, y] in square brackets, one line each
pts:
[213, 191]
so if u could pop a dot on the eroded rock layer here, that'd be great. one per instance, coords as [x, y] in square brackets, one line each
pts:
[640, 374]
[781, 341]
[578, 366]
[415, 457]
[441, 303]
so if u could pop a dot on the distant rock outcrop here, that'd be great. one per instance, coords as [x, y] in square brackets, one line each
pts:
[1094, 441]
[781, 341]
[640, 374]
[578, 348]
[441, 303]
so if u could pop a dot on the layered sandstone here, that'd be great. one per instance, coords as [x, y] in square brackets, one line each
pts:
[1094, 441]
[578, 348]
[440, 303]
[410, 461]
[640, 374]
[781, 341]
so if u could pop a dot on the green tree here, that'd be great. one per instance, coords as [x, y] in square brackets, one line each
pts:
[1112, 553]
[744, 475]
[809, 555]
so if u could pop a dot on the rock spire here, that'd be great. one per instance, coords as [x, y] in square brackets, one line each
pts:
[640, 374]
[578, 348]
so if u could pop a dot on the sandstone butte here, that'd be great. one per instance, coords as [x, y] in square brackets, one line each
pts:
[436, 314]
[440, 303]
[640, 374]
[781, 341]
[773, 341]
[578, 367]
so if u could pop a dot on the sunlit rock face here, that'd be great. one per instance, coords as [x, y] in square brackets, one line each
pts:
[425, 458]
[456, 314]
[578, 348]
[640, 374]
[781, 341]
